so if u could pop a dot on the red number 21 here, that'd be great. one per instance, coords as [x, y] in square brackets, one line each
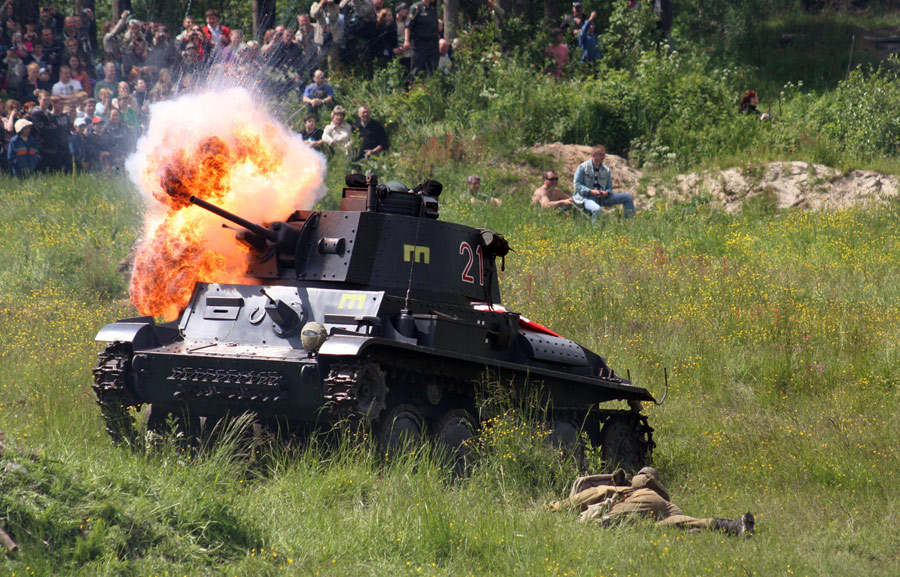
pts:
[466, 249]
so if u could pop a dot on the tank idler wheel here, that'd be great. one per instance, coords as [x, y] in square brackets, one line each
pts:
[451, 432]
[626, 443]
[401, 425]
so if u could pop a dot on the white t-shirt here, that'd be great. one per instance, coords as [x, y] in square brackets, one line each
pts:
[66, 89]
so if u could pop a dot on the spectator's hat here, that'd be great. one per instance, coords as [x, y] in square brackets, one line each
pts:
[401, 6]
[79, 122]
[134, 21]
[97, 120]
[44, 71]
[22, 124]
[577, 5]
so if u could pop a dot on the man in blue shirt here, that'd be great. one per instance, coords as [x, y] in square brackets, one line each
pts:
[587, 39]
[593, 186]
[318, 93]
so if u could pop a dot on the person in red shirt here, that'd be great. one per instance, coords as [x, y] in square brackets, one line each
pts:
[218, 34]
[558, 52]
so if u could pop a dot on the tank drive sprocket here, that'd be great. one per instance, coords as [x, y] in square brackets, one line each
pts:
[113, 395]
[356, 389]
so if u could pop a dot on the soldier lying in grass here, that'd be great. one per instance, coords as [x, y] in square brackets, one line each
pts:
[608, 499]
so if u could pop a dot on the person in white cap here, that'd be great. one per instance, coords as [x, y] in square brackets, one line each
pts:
[23, 154]
[77, 145]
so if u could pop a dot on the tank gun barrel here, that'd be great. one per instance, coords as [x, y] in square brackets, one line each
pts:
[256, 229]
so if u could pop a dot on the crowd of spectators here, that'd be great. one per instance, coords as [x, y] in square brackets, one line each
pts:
[85, 87]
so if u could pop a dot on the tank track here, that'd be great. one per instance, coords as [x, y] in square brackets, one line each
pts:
[113, 395]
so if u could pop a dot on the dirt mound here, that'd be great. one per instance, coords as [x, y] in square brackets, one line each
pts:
[792, 184]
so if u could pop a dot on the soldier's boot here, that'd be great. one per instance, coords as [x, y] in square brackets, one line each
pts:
[742, 528]
[748, 522]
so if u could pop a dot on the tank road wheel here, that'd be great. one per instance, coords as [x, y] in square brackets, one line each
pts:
[626, 442]
[451, 432]
[565, 437]
[403, 424]
[371, 391]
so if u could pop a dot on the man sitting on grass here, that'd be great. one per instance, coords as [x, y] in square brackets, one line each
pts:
[473, 183]
[593, 186]
[549, 195]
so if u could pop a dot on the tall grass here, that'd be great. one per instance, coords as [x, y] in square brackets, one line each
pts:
[779, 330]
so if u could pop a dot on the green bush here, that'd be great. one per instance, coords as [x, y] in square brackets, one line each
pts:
[861, 114]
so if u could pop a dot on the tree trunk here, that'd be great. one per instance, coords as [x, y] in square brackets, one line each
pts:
[551, 12]
[118, 6]
[523, 9]
[264, 17]
[451, 18]
[665, 20]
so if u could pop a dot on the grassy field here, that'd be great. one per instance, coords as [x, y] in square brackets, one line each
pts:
[779, 331]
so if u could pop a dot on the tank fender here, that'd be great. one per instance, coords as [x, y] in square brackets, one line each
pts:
[344, 345]
[141, 332]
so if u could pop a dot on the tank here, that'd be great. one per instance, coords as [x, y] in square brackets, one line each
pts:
[378, 313]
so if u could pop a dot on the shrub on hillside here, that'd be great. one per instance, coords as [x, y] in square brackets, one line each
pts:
[861, 114]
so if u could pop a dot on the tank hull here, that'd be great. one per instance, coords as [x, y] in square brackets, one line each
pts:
[389, 318]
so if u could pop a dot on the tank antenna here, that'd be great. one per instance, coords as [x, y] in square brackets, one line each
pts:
[666, 394]
[412, 264]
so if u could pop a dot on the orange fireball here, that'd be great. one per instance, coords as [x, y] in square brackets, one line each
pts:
[244, 162]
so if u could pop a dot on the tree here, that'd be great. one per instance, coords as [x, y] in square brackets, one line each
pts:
[551, 12]
[665, 18]
[263, 16]
[118, 6]
[451, 18]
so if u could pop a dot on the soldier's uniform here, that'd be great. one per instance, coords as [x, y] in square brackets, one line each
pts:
[424, 36]
[607, 500]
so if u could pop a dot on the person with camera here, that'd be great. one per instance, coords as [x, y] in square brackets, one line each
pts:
[163, 54]
[113, 36]
[181, 39]
[328, 33]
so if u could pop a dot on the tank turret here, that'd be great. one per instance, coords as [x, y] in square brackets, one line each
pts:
[378, 312]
